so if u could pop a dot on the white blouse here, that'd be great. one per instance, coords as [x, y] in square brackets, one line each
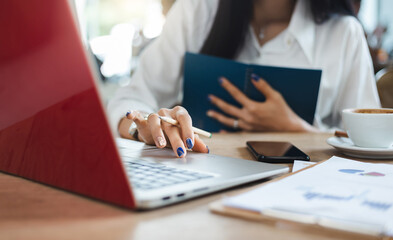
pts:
[338, 47]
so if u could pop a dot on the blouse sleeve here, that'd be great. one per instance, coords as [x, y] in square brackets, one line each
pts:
[359, 90]
[357, 87]
[158, 82]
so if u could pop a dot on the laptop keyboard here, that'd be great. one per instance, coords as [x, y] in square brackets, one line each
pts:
[149, 175]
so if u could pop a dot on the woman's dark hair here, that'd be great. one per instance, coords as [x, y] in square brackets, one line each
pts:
[233, 17]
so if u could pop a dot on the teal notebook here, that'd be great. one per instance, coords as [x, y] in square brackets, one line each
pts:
[299, 87]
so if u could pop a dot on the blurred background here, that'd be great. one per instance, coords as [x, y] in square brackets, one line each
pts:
[117, 31]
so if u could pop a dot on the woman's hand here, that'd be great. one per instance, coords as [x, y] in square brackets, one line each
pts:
[272, 115]
[153, 131]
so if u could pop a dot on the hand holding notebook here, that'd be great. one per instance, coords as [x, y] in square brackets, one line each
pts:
[298, 87]
[255, 115]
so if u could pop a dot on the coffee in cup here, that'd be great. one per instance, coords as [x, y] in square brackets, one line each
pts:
[370, 128]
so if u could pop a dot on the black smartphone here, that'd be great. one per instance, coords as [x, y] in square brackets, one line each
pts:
[276, 152]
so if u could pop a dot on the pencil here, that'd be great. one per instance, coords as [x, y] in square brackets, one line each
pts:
[176, 123]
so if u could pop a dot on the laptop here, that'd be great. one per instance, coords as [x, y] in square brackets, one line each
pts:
[54, 129]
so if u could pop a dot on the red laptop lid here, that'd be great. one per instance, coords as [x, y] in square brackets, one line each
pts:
[53, 127]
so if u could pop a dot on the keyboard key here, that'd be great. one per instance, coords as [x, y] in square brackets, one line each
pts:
[166, 181]
[184, 176]
[150, 175]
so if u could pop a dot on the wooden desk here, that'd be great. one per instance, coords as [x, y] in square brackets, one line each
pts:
[33, 211]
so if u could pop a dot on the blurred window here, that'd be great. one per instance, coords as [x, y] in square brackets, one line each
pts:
[377, 20]
[117, 30]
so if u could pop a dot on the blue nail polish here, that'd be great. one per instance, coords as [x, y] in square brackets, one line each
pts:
[220, 80]
[128, 113]
[255, 77]
[180, 151]
[189, 143]
[208, 150]
[209, 98]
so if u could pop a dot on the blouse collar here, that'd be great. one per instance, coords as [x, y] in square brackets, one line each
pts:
[302, 27]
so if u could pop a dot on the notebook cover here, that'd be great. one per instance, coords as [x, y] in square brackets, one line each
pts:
[299, 87]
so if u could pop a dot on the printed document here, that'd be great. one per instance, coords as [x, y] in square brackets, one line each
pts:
[298, 165]
[339, 193]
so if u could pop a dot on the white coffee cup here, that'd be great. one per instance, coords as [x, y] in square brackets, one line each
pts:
[370, 128]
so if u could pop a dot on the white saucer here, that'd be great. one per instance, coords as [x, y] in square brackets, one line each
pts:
[346, 146]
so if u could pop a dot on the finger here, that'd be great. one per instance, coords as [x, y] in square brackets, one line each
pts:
[221, 118]
[129, 114]
[173, 134]
[185, 122]
[263, 86]
[200, 146]
[143, 127]
[228, 121]
[158, 136]
[132, 114]
[238, 95]
[224, 106]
